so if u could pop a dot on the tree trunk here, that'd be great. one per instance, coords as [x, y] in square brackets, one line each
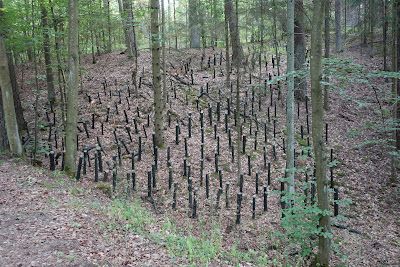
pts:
[385, 26]
[51, 95]
[72, 89]
[8, 102]
[371, 26]
[398, 68]
[124, 26]
[237, 50]
[299, 57]
[327, 51]
[318, 132]
[13, 77]
[338, 31]
[155, 60]
[290, 97]
[164, 67]
[3, 131]
[109, 44]
[194, 25]
[128, 15]
[227, 57]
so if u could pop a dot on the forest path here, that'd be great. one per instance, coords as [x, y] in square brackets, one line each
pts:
[47, 221]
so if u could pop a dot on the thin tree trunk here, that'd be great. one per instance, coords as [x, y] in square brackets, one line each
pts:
[299, 57]
[124, 26]
[51, 95]
[227, 57]
[290, 98]
[72, 89]
[338, 30]
[385, 26]
[109, 43]
[155, 60]
[327, 51]
[237, 50]
[3, 131]
[371, 25]
[318, 132]
[164, 67]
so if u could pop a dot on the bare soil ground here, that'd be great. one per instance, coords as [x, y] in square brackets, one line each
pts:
[40, 224]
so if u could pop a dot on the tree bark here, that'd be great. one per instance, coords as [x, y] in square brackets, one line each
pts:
[194, 25]
[318, 132]
[51, 95]
[237, 50]
[290, 97]
[128, 16]
[338, 31]
[8, 102]
[227, 56]
[398, 68]
[299, 57]
[17, 102]
[327, 51]
[72, 89]
[3, 131]
[155, 60]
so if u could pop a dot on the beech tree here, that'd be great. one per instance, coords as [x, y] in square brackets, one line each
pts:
[318, 132]
[8, 102]
[194, 25]
[299, 57]
[338, 31]
[72, 89]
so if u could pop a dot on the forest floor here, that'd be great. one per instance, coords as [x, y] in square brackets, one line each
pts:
[48, 219]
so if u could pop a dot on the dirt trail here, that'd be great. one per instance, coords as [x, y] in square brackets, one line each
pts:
[46, 222]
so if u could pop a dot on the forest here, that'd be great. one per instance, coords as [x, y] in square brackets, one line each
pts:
[199, 132]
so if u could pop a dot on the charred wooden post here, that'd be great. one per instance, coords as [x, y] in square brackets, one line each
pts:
[274, 152]
[86, 129]
[220, 177]
[84, 161]
[114, 181]
[218, 145]
[128, 187]
[216, 161]
[52, 163]
[96, 168]
[265, 198]
[269, 173]
[174, 196]
[215, 131]
[201, 119]
[254, 207]
[136, 126]
[190, 189]
[153, 173]
[226, 122]
[202, 134]
[241, 182]
[239, 204]
[219, 193]
[149, 183]
[169, 177]
[336, 200]
[186, 147]
[265, 158]
[177, 134]
[229, 138]
[189, 171]
[190, 125]
[257, 180]
[184, 167]
[210, 113]
[233, 154]
[207, 185]
[105, 177]
[140, 148]
[244, 144]
[227, 184]
[249, 164]
[194, 214]
[218, 111]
